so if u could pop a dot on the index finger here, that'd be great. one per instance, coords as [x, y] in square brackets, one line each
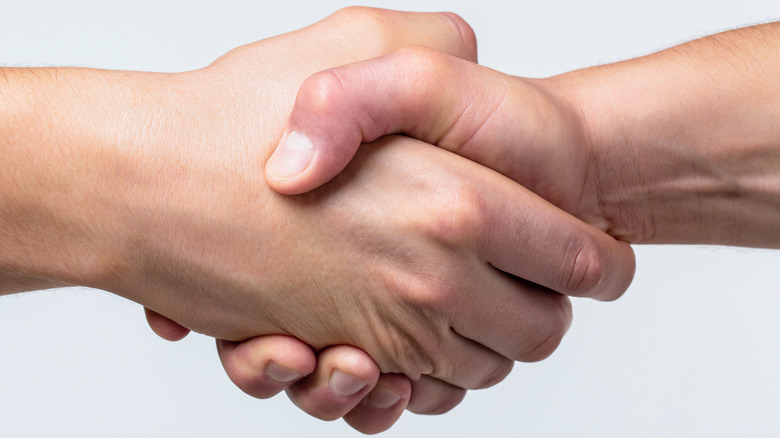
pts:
[522, 234]
[517, 231]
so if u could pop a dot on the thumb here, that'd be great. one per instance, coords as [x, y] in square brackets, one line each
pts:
[416, 91]
[312, 151]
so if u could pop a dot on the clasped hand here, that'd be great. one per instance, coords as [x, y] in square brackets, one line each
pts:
[262, 200]
[414, 261]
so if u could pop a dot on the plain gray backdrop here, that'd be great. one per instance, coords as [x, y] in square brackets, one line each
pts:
[690, 350]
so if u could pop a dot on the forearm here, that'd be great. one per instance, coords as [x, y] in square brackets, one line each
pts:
[686, 142]
[65, 189]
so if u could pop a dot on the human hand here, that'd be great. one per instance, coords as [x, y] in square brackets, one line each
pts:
[523, 128]
[493, 231]
[192, 233]
[291, 359]
[412, 110]
[674, 147]
[264, 365]
[379, 31]
[657, 147]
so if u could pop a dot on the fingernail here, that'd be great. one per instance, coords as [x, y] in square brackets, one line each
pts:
[292, 156]
[280, 374]
[344, 384]
[383, 398]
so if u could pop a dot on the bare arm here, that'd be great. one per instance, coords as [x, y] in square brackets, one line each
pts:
[64, 134]
[681, 146]
[686, 142]
[150, 186]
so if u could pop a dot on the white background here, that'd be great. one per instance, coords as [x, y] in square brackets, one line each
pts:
[691, 350]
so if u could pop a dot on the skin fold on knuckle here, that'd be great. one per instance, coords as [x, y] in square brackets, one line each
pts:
[583, 268]
[413, 338]
[414, 347]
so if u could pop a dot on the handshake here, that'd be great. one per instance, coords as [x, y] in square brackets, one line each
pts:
[265, 201]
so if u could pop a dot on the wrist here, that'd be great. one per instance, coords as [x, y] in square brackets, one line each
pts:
[685, 148]
[609, 133]
[70, 136]
[585, 110]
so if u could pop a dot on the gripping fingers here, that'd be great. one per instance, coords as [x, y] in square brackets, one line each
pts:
[416, 91]
[343, 377]
[431, 396]
[517, 319]
[165, 328]
[383, 406]
[526, 236]
[265, 365]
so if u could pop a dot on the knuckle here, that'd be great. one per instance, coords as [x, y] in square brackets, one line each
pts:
[413, 355]
[424, 66]
[377, 22]
[467, 36]
[321, 92]
[418, 55]
[429, 293]
[356, 13]
[545, 339]
[459, 217]
[349, 13]
[423, 61]
[385, 29]
[410, 340]
[421, 346]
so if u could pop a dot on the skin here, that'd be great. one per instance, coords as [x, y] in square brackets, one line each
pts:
[677, 147]
[682, 146]
[150, 186]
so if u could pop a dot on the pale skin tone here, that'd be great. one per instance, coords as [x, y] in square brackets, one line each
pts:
[682, 146]
[150, 186]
